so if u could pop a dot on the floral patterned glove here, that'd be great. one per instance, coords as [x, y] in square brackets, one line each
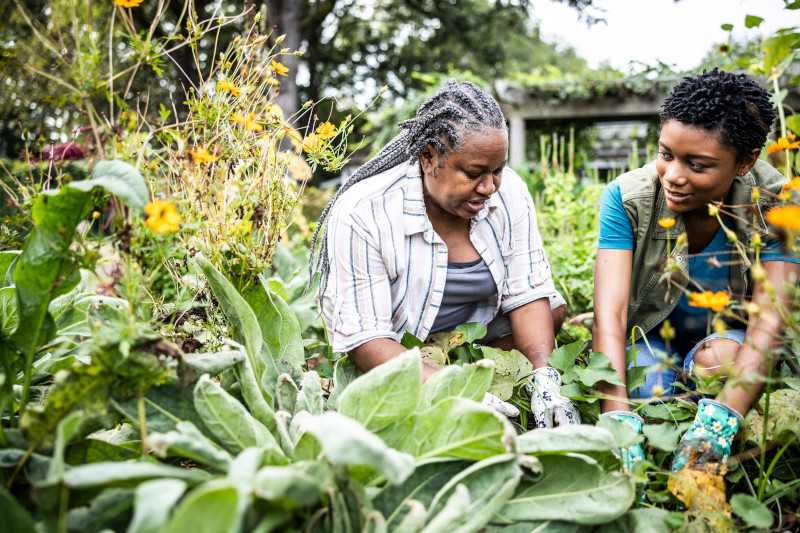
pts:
[549, 407]
[504, 408]
[633, 454]
[710, 436]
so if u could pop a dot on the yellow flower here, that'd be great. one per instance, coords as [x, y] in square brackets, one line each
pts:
[716, 301]
[163, 216]
[312, 142]
[248, 122]
[666, 222]
[201, 155]
[278, 68]
[784, 143]
[793, 184]
[326, 130]
[785, 217]
[128, 3]
[225, 85]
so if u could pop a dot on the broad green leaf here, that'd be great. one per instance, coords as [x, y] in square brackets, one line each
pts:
[81, 388]
[570, 488]
[456, 506]
[46, 268]
[228, 420]
[66, 301]
[15, 517]
[666, 411]
[395, 501]
[598, 369]
[248, 334]
[547, 526]
[664, 436]
[467, 381]
[385, 394]
[637, 520]
[778, 48]
[793, 122]
[472, 331]
[97, 309]
[214, 363]
[153, 503]
[727, 27]
[187, 441]
[120, 179]
[454, 427]
[165, 406]
[562, 439]
[65, 430]
[127, 474]
[490, 483]
[215, 506]
[410, 341]
[783, 422]
[636, 377]
[306, 446]
[108, 511]
[623, 434]
[91, 450]
[509, 369]
[414, 520]
[303, 483]
[286, 393]
[752, 511]
[563, 357]
[346, 442]
[344, 373]
[7, 257]
[9, 316]
[310, 398]
[752, 21]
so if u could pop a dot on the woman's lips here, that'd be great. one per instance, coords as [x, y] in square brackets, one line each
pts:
[676, 197]
[476, 205]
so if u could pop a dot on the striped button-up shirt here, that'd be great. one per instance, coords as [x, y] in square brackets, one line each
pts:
[388, 267]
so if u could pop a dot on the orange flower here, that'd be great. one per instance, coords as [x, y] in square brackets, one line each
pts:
[163, 216]
[312, 142]
[128, 3]
[793, 184]
[248, 122]
[666, 222]
[225, 85]
[326, 130]
[785, 217]
[278, 68]
[201, 155]
[784, 143]
[716, 301]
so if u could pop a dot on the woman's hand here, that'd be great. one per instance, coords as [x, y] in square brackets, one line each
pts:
[550, 408]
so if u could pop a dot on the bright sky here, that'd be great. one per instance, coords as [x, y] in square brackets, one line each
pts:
[677, 33]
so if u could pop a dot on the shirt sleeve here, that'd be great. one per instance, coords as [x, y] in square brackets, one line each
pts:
[359, 290]
[616, 232]
[776, 251]
[528, 275]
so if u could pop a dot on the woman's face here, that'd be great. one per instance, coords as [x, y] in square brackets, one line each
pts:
[694, 167]
[458, 184]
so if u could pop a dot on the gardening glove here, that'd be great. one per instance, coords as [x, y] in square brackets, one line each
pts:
[631, 455]
[504, 408]
[549, 407]
[710, 436]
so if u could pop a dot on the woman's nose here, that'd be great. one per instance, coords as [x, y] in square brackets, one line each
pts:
[486, 185]
[674, 174]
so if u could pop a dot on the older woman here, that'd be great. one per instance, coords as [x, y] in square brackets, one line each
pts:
[712, 129]
[436, 231]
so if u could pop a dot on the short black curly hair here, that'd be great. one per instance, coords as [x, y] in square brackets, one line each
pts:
[733, 106]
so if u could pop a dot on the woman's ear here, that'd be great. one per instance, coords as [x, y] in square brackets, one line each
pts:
[429, 160]
[749, 162]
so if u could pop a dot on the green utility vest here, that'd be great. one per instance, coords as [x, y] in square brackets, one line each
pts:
[653, 295]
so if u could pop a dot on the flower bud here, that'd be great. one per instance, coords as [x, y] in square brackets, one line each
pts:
[756, 240]
[667, 332]
[280, 39]
[754, 194]
[752, 309]
[731, 235]
[759, 274]
[713, 210]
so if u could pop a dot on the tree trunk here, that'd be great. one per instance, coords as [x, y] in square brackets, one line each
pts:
[284, 16]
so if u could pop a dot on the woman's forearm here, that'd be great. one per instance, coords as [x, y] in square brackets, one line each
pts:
[611, 342]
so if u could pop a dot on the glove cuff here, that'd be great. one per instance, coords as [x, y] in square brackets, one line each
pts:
[632, 419]
[549, 372]
[701, 405]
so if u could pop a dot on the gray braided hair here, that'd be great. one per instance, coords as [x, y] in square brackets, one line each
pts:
[442, 122]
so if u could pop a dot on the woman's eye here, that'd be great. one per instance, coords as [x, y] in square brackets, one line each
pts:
[665, 155]
[696, 166]
[473, 176]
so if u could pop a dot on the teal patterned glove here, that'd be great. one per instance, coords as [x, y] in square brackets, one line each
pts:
[710, 436]
[633, 454]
